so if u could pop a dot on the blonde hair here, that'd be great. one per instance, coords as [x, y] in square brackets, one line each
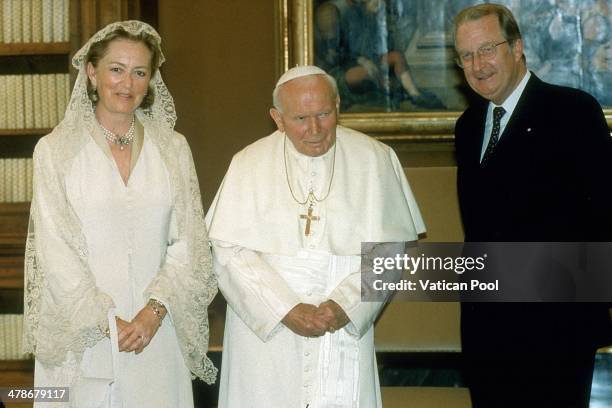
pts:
[507, 22]
[99, 49]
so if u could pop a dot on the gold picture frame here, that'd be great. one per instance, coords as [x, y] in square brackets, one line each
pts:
[295, 35]
[295, 47]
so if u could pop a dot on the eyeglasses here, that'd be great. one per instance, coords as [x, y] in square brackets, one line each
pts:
[486, 52]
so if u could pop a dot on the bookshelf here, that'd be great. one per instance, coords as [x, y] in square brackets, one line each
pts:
[25, 132]
[12, 49]
[29, 50]
[35, 44]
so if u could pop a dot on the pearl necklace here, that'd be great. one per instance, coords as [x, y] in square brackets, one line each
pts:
[122, 141]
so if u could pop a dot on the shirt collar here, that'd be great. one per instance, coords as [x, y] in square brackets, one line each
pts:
[510, 103]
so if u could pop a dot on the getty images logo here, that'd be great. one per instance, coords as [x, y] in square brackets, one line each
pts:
[414, 264]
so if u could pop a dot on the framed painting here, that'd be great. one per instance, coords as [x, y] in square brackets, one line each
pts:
[394, 60]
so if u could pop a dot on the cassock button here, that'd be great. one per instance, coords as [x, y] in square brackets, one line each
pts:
[306, 353]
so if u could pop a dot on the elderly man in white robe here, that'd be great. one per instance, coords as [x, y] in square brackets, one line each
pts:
[286, 228]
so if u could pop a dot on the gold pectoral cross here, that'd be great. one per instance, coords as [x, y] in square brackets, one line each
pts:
[308, 217]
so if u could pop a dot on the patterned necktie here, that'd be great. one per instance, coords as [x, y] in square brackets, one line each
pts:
[497, 115]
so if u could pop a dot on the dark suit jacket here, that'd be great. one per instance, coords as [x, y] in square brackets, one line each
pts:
[549, 179]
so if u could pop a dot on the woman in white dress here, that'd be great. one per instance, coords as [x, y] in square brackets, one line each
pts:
[118, 269]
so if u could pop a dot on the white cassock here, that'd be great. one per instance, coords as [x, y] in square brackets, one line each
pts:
[266, 265]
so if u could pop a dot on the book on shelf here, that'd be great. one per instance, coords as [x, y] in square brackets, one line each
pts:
[58, 20]
[29, 179]
[11, 340]
[11, 96]
[37, 90]
[7, 21]
[19, 102]
[26, 21]
[67, 92]
[66, 23]
[16, 17]
[28, 102]
[3, 103]
[37, 21]
[16, 180]
[51, 105]
[2, 21]
[47, 13]
[60, 96]
[45, 109]
[33, 101]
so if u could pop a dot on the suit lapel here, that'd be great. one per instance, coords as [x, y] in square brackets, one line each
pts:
[520, 123]
[477, 127]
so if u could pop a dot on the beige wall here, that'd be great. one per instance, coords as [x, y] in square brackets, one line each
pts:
[220, 69]
[435, 189]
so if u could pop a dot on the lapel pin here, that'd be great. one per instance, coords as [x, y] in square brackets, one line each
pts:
[529, 129]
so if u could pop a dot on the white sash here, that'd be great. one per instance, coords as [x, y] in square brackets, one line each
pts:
[313, 275]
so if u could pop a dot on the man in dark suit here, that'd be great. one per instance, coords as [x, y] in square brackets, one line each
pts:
[534, 165]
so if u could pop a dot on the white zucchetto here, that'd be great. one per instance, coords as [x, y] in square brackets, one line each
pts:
[298, 72]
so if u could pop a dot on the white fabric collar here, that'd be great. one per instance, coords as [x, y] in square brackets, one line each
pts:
[510, 103]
